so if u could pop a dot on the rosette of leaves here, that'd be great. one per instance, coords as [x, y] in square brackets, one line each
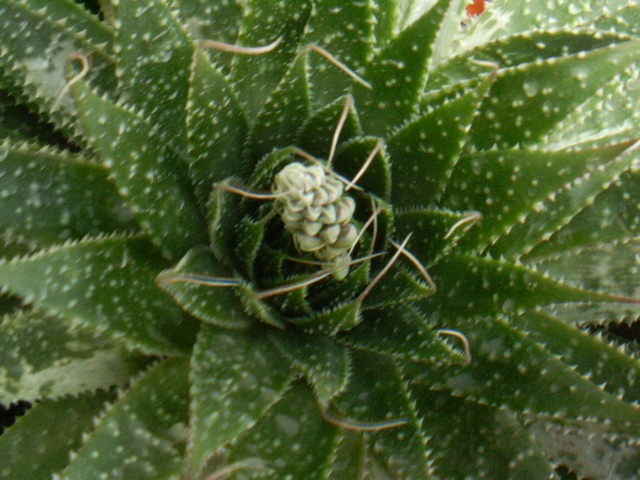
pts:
[508, 168]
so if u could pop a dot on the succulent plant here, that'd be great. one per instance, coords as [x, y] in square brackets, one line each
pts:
[329, 239]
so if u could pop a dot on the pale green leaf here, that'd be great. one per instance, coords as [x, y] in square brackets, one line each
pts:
[42, 356]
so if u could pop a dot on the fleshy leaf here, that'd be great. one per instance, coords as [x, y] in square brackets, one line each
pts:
[284, 111]
[434, 231]
[153, 69]
[550, 214]
[143, 171]
[107, 285]
[376, 394]
[397, 286]
[597, 223]
[43, 189]
[344, 29]
[142, 435]
[609, 267]
[216, 305]
[350, 158]
[223, 215]
[216, 128]
[35, 58]
[401, 332]
[625, 19]
[350, 457]
[18, 124]
[612, 368]
[317, 133]
[428, 147]
[502, 185]
[204, 20]
[528, 47]
[470, 440]
[292, 439]
[608, 117]
[533, 98]
[255, 76]
[471, 286]
[331, 320]
[42, 356]
[56, 427]
[510, 369]
[509, 18]
[324, 362]
[235, 378]
[398, 74]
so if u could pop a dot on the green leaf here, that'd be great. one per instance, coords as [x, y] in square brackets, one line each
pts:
[350, 457]
[316, 134]
[386, 14]
[204, 20]
[250, 234]
[516, 50]
[105, 284]
[259, 309]
[284, 111]
[292, 439]
[345, 30]
[56, 428]
[550, 214]
[48, 196]
[235, 378]
[471, 440]
[216, 128]
[401, 332]
[143, 171]
[216, 305]
[503, 185]
[223, 215]
[376, 394]
[533, 98]
[254, 77]
[624, 19]
[330, 320]
[608, 267]
[35, 57]
[350, 158]
[143, 434]
[325, 363]
[470, 286]
[19, 124]
[608, 218]
[398, 74]
[153, 68]
[43, 356]
[427, 148]
[509, 18]
[609, 117]
[510, 369]
[612, 368]
[396, 287]
[434, 232]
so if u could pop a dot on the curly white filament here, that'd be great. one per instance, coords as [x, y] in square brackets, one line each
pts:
[465, 342]
[75, 79]
[227, 47]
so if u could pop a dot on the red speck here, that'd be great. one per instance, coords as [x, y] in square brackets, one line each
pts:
[476, 8]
